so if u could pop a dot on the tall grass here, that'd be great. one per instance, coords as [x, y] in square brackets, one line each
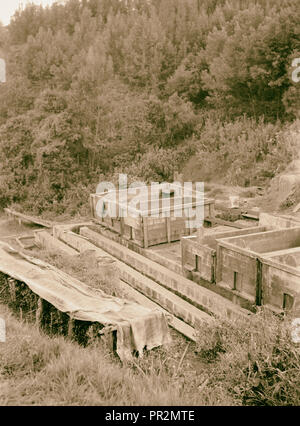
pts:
[257, 359]
[38, 370]
[252, 362]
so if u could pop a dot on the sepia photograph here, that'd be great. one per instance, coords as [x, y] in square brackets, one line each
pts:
[149, 206]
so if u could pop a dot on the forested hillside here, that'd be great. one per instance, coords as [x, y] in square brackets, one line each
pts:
[98, 87]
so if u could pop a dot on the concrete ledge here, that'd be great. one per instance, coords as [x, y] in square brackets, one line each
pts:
[149, 253]
[199, 296]
[178, 325]
[52, 244]
[74, 227]
[168, 300]
[240, 299]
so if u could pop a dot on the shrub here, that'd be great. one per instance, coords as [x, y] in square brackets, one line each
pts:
[256, 358]
[242, 152]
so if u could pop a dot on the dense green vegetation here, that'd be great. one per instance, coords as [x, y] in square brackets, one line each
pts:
[98, 87]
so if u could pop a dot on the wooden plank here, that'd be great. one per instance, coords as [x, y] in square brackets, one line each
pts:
[71, 325]
[27, 218]
[121, 226]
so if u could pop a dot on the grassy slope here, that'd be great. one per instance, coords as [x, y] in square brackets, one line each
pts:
[38, 370]
[249, 363]
[234, 364]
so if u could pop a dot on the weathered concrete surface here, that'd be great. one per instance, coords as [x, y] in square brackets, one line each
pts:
[248, 265]
[212, 239]
[201, 256]
[148, 225]
[168, 255]
[265, 242]
[237, 270]
[223, 289]
[198, 295]
[148, 287]
[155, 253]
[168, 300]
[273, 221]
[180, 326]
[198, 258]
[52, 244]
[74, 227]
[281, 286]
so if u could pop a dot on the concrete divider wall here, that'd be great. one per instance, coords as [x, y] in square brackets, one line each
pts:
[180, 308]
[212, 240]
[148, 287]
[289, 257]
[237, 270]
[271, 221]
[149, 253]
[201, 256]
[198, 295]
[52, 244]
[267, 241]
[188, 261]
[198, 258]
[279, 280]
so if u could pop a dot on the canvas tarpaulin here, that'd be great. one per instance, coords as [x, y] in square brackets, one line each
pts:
[137, 326]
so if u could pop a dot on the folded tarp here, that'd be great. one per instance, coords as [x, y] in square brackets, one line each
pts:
[137, 327]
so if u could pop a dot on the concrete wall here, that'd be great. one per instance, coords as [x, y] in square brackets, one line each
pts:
[52, 244]
[148, 231]
[200, 255]
[198, 258]
[237, 270]
[199, 296]
[269, 241]
[211, 239]
[277, 281]
[253, 266]
[290, 257]
[272, 221]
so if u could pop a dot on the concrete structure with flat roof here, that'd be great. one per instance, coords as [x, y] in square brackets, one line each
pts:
[162, 213]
